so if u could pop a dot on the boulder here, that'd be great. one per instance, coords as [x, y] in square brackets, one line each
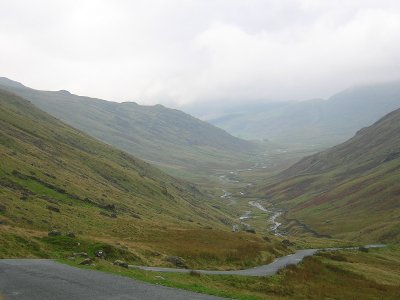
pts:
[54, 232]
[53, 208]
[109, 207]
[86, 262]
[121, 263]
[266, 238]
[80, 254]
[194, 273]
[287, 243]
[177, 261]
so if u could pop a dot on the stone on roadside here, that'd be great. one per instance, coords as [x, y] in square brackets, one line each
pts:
[121, 263]
[86, 262]
[81, 254]
[177, 261]
[194, 273]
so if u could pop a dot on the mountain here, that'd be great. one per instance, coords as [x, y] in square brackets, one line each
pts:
[48, 166]
[315, 122]
[167, 137]
[55, 177]
[351, 190]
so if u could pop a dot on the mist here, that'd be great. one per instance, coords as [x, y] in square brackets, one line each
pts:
[185, 52]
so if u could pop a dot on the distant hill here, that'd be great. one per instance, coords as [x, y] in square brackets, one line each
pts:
[351, 190]
[47, 166]
[315, 122]
[167, 137]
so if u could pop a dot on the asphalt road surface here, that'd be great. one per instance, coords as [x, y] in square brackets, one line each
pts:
[39, 279]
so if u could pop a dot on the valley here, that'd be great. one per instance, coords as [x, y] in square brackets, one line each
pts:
[105, 198]
[196, 149]
[177, 143]
[228, 221]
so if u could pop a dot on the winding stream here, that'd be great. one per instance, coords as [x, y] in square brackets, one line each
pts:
[272, 219]
[274, 215]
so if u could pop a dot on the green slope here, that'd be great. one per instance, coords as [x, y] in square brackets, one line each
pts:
[169, 138]
[53, 176]
[351, 190]
[45, 161]
[315, 122]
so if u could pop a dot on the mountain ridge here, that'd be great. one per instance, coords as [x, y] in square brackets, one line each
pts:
[167, 137]
[42, 156]
[319, 121]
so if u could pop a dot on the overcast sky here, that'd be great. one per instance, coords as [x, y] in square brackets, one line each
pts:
[184, 51]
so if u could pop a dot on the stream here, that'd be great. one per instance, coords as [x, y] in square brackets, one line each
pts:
[271, 219]
[273, 214]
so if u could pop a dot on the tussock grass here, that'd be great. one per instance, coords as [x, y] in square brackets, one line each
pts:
[221, 249]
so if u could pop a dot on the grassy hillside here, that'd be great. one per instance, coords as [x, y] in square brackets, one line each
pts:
[53, 176]
[349, 191]
[169, 138]
[311, 123]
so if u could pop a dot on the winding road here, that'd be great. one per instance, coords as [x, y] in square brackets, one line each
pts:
[264, 270]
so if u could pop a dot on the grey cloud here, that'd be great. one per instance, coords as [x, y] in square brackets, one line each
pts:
[176, 52]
